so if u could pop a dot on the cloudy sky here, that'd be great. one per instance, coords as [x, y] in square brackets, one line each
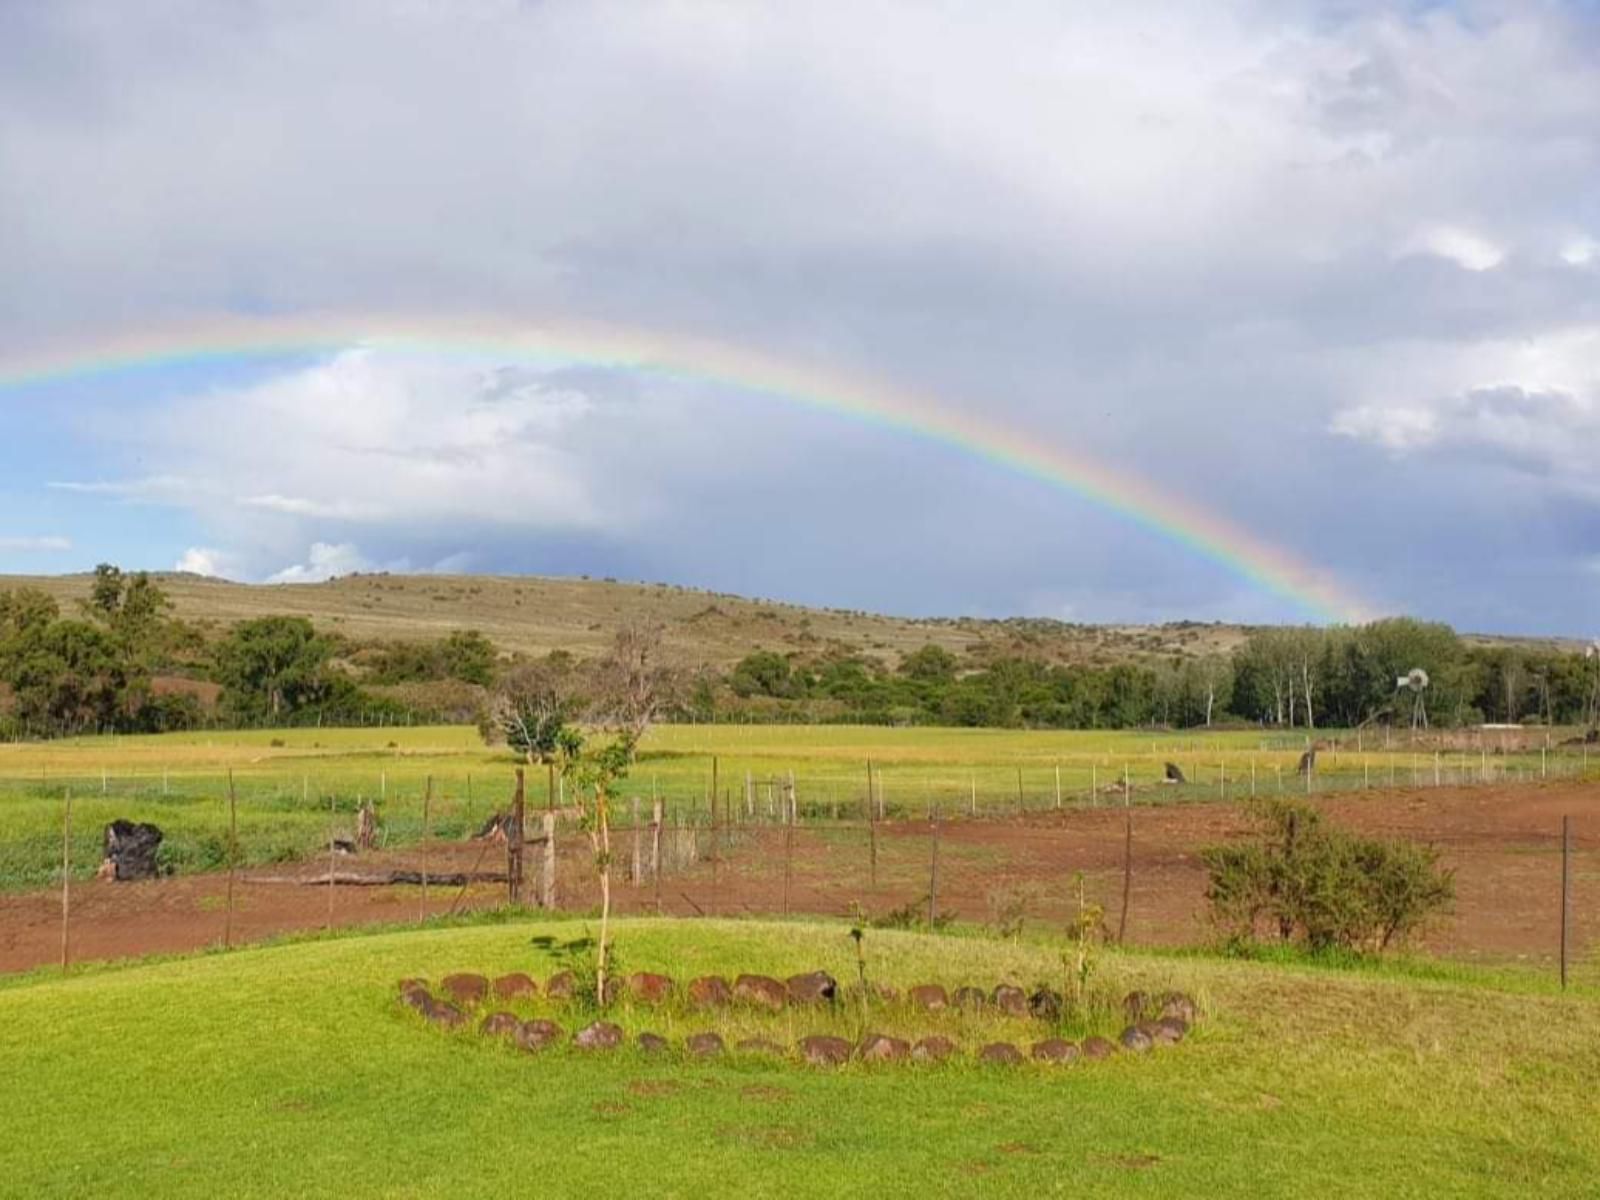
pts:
[1327, 272]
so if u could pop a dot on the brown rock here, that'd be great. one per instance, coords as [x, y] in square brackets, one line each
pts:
[971, 998]
[1097, 1048]
[705, 1045]
[536, 1035]
[499, 1024]
[406, 985]
[709, 991]
[824, 1051]
[933, 1049]
[1178, 1004]
[1012, 1001]
[561, 985]
[1135, 1039]
[1171, 1029]
[759, 1045]
[760, 990]
[649, 988]
[1054, 1050]
[929, 996]
[878, 1047]
[465, 988]
[515, 986]
[1045, 1005]
[653, 1043]
[417, 998]
[1000, 1052]
[602, 1035]
[812, 988]
[1135, 1004]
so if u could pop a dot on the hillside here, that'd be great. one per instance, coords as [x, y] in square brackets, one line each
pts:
[536, 614]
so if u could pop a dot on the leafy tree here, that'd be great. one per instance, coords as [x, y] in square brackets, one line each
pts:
[274, 666]
[931, 664]
[535, 708]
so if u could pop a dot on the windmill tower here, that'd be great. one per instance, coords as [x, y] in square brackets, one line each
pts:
[1415, 681]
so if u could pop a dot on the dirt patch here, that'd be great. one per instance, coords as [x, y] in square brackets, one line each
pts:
[653, 1088]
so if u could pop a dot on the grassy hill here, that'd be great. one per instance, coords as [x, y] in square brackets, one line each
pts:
[292, 1070]
[537, 614]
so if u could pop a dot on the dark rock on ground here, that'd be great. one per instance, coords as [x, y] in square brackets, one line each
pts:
[130, 851]
[929, 996]
[465, 988]
[537, 1034]
[515, 986]
[648, 987]
[879, 1047]
[406, 985]
[933, 1049]
[1135, 1039]
[971, 998]
[1045, 1004]
[709, 991]
[824, 1051]
[1000, 1052]
[1098, 1048]
[602, 1035]
[1012, 1001]
[416, 997]
[561, 985]
[1056, 1050]
[500, 1024]
[653, 1043]
[1172, 1029]
[446, 1015]
[705, 1045]
[760, 990]
[814, 987]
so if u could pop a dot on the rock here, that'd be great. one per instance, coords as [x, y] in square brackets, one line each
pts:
[878, 1047]
[1012, 1001]
[971, 998]
[812, 988]
[760, 990]
[1054, 1050]
[1167, 1031]
[705, 1045]
[536, 1035]
[417, 997]
[406, 985]
[929, 996]
[130, 850]
[759, 1045]
[709, 991]
[1097, 1048]
[561, 985]
[465, 988]
[500, 1024]
[1177, 1004]
[1173, 773]
[933, 1049]
[1045, 1004]
[515, 986]
[653, 1043]
[824, 1051]
[1135, 1039]
[1134, 1004]
[602, 1035]
[447, 1015]
[649, 988]
[1000, 1052]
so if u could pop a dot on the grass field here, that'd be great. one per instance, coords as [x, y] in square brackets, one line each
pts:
[290, 1070]
[285, 779]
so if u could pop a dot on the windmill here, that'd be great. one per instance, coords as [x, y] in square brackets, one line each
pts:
[1415, 681]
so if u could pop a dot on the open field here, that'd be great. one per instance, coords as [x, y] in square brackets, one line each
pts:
[286, 779]
[291, 1070]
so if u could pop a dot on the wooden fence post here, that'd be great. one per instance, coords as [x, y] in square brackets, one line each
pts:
[66, 877]
[933, 870]
[516, 840]
[655, 845]
[548, 899]
[872, 830]
[1127, 857]
[427, 804]
[1566, 894]
[1021, 808]
[332, 862]
[233, 858]
[638, 855]
[1058, 785]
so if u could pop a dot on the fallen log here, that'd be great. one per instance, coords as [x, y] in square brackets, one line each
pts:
[382, 879]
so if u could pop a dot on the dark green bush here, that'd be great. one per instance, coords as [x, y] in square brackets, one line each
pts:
[1323, 887]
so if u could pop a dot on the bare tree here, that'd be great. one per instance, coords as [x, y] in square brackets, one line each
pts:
[634, 681]
[534, 706]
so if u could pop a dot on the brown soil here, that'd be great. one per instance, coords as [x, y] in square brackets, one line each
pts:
[1504, 844]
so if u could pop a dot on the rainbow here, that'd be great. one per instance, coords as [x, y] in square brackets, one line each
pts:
[235, 339]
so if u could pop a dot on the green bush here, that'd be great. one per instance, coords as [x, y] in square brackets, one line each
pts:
[1320, 886]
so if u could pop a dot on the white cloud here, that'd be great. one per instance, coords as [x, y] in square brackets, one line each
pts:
[1580, 252]
[34, 545]
[211, 563]
[1468, 250]
[323, 562]
[1397, 429]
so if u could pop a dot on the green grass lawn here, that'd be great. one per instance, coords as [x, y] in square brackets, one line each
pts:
[285, 779]
[291, 1070]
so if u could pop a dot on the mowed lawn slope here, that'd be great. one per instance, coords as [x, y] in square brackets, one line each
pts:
[291, 1070]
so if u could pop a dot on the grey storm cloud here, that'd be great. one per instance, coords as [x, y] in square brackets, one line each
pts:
[1320, 268]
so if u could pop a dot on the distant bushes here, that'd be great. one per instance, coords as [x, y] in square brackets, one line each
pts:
[1307, 882]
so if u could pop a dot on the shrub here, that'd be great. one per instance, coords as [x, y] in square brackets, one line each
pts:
[1322, 886]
